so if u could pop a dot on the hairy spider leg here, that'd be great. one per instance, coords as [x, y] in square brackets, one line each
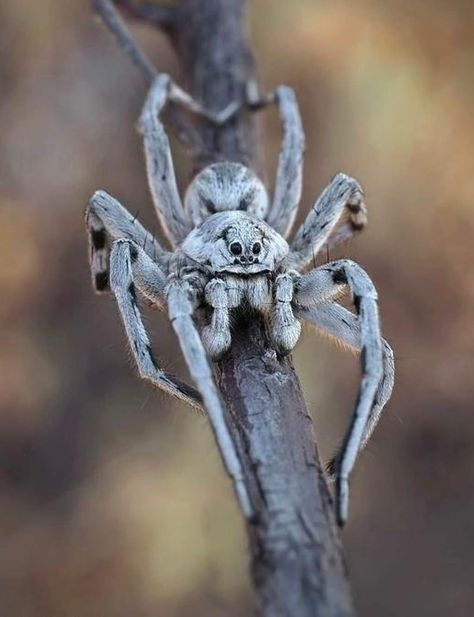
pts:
[159, 164]
[286, 328]
[342, 195]
[310, 288]
[131, 268]
[289, 176]
[216, 336]
[333, 320]
[159, 161]
[107, 220]
[181, 304]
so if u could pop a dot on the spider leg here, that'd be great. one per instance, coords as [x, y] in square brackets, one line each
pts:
[107, 220]
[181, 303]
[290, 164]
[130, 267]
[335, 321]
[341, 234]
[286, 328]
[216, 336]
[159, 162]
[335, 276]
[342, 195]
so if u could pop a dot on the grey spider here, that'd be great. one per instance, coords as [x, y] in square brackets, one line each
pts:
[230, 253]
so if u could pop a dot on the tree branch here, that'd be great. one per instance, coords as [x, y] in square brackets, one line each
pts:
[114, 23]
[164, 17]
[297, 561]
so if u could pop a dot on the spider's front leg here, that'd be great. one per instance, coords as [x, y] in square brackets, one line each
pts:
[182, 301]
[107, 220]
[159, 161]
[216, 335]
[131, 268]
[343, 195]
[321, 284]
[286, 329]
[289, 176]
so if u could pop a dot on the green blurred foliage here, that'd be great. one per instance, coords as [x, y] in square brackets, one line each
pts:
[112, 498]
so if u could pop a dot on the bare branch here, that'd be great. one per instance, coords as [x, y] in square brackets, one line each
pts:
[117, 27]
[161, 16]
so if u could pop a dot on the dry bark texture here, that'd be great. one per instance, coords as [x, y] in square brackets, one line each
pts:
[297, 562]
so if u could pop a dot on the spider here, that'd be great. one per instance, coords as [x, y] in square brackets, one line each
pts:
[231, 253]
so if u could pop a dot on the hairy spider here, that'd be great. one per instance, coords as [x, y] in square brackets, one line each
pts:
[231, 254]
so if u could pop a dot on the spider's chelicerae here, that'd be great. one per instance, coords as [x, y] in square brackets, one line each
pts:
[231, 252]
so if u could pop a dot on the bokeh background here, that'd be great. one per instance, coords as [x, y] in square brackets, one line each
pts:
[112, 498]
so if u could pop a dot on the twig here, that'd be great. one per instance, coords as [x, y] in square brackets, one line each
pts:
[116, 25]
[161, 16]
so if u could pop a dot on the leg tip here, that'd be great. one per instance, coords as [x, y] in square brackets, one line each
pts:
[286, 336]
[215, 343]
[101, 282]
[341, 520]
[342, 501]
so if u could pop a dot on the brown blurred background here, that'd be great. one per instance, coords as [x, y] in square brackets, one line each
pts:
[113, 501]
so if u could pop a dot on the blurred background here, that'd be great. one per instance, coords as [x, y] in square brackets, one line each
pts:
[113, 501]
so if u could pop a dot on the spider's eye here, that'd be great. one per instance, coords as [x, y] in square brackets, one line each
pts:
[243, 204]
[235, 248]
[256, 248]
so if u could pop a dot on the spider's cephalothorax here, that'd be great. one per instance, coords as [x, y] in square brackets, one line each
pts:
[231, 252]
[236, 243]
[241, 259]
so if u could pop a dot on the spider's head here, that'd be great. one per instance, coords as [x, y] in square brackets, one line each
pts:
[225, 186]
[237, 243]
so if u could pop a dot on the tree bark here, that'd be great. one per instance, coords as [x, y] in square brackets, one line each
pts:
[297, 562]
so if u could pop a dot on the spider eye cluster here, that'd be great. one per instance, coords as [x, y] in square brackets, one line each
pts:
[235, 248]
